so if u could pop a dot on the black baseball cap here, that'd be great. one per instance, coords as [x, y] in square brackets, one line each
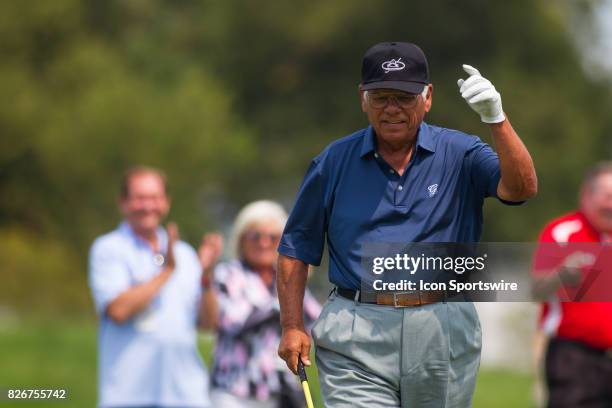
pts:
[395, 65]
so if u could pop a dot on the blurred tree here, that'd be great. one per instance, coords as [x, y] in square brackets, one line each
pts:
[234, 98]
[300, 90]
[78, 108]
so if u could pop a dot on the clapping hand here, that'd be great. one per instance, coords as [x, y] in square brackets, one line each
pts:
[210, 250]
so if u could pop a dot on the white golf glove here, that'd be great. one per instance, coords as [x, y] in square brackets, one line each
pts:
[481, 95]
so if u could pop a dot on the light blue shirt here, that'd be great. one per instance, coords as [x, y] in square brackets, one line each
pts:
[152, 359]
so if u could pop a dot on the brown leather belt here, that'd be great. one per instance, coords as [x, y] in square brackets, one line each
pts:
[398, 299]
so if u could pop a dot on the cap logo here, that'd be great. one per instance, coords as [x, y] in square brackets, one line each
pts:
[393, 65]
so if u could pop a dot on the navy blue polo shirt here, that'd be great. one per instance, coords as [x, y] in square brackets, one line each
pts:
[352, 197]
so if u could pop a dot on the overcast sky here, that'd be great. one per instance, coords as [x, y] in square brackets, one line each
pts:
[599, 55]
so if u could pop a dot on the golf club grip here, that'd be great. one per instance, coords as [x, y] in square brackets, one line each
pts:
[307, 396]
[304, 380]
[301, 370]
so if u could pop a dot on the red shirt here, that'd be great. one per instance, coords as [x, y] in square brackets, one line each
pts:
[587, 322]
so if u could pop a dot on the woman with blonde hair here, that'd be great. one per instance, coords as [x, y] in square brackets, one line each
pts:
[247, 371]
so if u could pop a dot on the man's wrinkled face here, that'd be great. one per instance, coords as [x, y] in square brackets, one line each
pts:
[146, 203]
[395, 115]
[596, 203]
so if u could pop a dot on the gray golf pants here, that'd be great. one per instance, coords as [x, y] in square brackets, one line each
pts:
[374, 356]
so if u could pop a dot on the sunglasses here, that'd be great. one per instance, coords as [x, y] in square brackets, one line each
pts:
[380, 100]
[258, 236]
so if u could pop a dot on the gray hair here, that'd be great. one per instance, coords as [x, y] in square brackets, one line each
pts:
[257, 212]
[424, 93]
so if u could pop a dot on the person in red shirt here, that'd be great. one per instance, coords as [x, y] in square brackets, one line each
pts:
[571, 276]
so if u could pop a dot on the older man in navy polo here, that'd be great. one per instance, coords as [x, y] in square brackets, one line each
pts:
[398, 180]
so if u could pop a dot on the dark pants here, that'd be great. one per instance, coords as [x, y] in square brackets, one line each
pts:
[577, 375]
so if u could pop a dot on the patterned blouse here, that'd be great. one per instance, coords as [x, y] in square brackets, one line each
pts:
[246, 362]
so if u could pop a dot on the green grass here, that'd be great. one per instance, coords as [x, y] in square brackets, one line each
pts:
[503, 389]
[62, 354]
[50, 355]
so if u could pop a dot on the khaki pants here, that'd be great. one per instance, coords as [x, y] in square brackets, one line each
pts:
[374, 356]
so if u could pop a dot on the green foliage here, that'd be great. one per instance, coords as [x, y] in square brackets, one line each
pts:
[37, 272]
[78, 109]
[234, 98]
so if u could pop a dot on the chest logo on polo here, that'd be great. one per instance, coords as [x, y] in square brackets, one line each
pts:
[393, 65]
[432, 190]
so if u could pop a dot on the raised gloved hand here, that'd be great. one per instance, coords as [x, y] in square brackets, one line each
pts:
[481, 95]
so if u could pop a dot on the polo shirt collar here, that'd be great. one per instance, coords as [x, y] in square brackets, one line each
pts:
[162, 236]
[424, 140]
[368, 144]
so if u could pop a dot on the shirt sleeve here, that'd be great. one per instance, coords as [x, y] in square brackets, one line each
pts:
[304, 234]
[484, 170]
[546, 257]
[108, 274]
[555, 245]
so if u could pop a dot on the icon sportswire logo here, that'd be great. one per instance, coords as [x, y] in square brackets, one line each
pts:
[432, 190]
[393, 65]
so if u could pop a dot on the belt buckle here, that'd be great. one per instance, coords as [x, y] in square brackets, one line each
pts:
[608, 353]
[410, 292]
